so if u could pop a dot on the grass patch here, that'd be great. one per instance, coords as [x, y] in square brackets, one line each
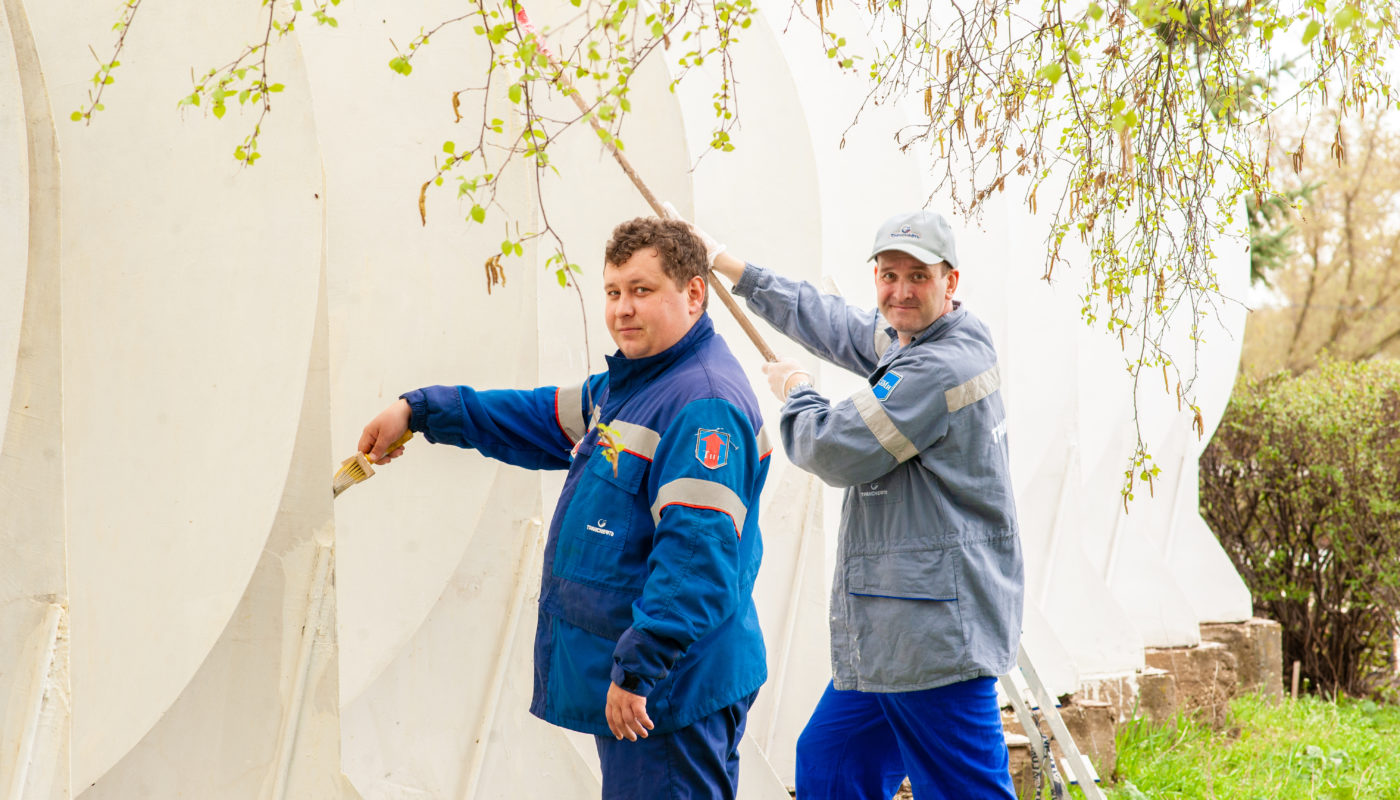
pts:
[1309, 748]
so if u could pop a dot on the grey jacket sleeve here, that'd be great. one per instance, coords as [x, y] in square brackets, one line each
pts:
[828, 326]
[868, 434]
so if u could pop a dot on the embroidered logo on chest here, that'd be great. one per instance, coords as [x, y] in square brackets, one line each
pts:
[712, 447]
[885, 387]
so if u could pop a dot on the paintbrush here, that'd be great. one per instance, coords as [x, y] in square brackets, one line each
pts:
[357, 469]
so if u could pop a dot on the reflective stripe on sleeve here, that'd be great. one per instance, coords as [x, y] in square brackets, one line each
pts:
[636, 439]
[973, 390]
[880, 424]
[765, 446]
[697, 493]
[568, 411]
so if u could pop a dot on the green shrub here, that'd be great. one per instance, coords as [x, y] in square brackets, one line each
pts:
[1302, 486]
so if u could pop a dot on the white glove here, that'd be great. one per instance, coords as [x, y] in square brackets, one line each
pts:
[783, 375]
[712, 247]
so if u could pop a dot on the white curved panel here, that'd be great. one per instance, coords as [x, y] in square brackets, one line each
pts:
[35, 701]
[189, 291]
[14, 215]
[261, 717]
[408, 308]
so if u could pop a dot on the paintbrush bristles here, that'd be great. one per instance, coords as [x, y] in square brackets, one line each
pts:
[352, 471]
[356, 468]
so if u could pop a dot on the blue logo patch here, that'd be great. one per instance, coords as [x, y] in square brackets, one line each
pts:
[886, 385]
[712, 447]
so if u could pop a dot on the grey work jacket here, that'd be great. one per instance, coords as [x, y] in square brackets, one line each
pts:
[929, 579]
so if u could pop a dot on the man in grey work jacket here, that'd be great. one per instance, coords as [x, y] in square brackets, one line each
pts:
[926, 601]
[647, 636]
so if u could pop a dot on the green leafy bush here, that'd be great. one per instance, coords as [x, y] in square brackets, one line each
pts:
[1302, 486]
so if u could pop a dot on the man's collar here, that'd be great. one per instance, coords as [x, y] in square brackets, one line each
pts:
[626, 374]
[936, 328]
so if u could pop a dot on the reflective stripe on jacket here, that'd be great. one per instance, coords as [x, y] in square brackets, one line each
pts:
[929, 581]
[651, 558]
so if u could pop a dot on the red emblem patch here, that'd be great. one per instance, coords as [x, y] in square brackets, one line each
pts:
[712, 447]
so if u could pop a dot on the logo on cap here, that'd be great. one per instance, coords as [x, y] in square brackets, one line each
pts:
[906, 232]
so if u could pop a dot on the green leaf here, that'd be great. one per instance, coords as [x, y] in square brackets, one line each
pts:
[1050, 72]
[76, 116]
[1312, 30]
[514, 91]
[449, 147]
[108, 79]
[506, 246]
[219, 110]
[562, 278]
[276, 87]
[1346, 17]
[1095, 11]
[478, 214]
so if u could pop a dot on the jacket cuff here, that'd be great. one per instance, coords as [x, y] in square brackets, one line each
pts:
[644, 659]
[418, 406]
[748, 281]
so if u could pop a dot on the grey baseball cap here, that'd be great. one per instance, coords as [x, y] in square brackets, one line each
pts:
[925, 235]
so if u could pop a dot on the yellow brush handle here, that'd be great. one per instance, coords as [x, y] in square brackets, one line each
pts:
[400, 442]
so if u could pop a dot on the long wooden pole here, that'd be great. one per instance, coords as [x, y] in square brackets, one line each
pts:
[573, 93]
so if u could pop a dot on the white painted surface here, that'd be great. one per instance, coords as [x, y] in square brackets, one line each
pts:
[14, 215]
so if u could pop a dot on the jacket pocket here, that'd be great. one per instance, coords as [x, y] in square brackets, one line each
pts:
[917, 575]
[600, 521]
[905, 621]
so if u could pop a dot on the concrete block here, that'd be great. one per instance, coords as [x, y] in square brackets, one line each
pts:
[1092, 725]
[1205, 678]
[1150, 693]
[1258, 649]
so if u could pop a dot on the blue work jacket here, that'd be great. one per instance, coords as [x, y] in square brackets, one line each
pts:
[929, 583]
[654, 545]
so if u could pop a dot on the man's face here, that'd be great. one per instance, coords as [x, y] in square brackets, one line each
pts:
[646, 312]
[911, 294]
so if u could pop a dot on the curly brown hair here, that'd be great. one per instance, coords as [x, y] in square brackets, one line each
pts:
[681, 251]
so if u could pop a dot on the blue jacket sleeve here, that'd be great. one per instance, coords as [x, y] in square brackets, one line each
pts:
[828, 326]
[701, 490]
[532, 428]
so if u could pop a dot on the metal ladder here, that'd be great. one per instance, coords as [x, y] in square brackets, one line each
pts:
[1028, 695]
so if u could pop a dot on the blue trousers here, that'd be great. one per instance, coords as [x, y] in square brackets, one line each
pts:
[860, 745]
[697, 762]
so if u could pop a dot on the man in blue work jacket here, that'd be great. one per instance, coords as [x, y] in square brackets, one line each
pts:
[647, 634]
[926, 601]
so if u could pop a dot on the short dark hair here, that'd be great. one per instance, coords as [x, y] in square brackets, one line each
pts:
[681, 251]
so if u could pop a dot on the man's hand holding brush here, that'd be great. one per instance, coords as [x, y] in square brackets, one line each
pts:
[383, 431]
